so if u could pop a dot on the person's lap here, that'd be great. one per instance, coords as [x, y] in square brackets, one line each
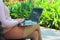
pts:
[30, 29]
[16, 32]
[20, 32]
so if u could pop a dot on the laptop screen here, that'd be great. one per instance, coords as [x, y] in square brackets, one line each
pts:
[35, 15]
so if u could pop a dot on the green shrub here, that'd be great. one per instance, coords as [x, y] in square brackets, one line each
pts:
[20, 9]
[51, 14]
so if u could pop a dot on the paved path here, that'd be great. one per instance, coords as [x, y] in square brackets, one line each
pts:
[49, 34]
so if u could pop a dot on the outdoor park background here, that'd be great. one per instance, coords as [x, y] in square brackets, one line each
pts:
[50, 16]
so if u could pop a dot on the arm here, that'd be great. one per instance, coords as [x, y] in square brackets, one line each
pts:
[5, 22]
[7, 13]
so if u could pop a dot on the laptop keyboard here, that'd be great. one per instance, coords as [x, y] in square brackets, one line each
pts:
[28, 22]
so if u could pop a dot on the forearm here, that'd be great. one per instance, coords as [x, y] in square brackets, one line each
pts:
[7, 23]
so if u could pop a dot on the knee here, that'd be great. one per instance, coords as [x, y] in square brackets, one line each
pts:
[37, 27]
[35, 33]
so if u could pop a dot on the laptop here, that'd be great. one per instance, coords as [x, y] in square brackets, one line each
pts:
[34, 17]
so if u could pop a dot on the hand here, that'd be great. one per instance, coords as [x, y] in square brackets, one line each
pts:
[21, 20]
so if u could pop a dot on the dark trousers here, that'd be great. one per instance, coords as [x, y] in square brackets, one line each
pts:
[1, 33]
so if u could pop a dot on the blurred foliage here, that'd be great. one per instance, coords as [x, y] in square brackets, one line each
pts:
[20, 9]
[51, 13]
